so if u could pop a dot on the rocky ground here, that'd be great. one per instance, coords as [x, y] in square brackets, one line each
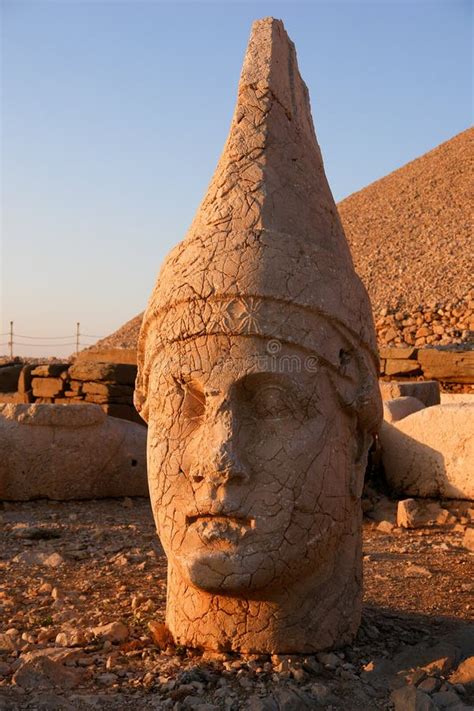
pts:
[83, 601]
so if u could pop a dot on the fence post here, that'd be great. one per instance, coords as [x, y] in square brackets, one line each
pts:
[77, 336]
[11, 339]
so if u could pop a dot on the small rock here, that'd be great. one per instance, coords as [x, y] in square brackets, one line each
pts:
[36, 534]
[71, 638]
[441, 666]
[385, 527]
[43, 671]
[190, 702]
[10, 643]
[31, 558]
[4, 669]
[45, 589]
[464, 674]
[468, 540]
[311, 665]
[298, 674]
[417, 571]
[320, 692]
[328, 659]
[409, 698]
[415, 514]
[107, 679]
[429, 685]
[160, 634]
[113, 632]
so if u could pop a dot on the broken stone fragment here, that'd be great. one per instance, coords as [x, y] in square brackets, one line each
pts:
[415, 513]
[112, 632]
[58, 452]
[468, 539]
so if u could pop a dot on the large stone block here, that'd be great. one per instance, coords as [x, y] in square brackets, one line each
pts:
[64, 452]
[454, 366]
[9, 375]
[115, 372]
[47, 387]
[49, 370]
[431, 452]
[428, 391]
[399, 366]
[110, 390]
[392, 353]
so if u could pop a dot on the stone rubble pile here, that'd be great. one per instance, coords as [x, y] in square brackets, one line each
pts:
[436, 323]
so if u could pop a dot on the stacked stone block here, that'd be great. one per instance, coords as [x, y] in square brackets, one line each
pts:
[109, 385]
[444, 365]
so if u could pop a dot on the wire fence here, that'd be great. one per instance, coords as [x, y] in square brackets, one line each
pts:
[76, 340]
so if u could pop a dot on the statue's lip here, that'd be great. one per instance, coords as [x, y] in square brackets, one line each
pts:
[221, 516]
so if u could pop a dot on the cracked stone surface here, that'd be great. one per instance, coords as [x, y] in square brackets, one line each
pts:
[258, 378]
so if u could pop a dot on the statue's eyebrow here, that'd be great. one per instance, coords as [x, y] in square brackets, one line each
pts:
[251, 380]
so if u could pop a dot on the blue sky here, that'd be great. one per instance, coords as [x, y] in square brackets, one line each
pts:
[114, 115]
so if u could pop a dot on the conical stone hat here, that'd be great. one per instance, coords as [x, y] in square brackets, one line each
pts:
[266, 254]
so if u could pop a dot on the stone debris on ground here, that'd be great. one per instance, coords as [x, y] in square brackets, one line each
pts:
[89, 634]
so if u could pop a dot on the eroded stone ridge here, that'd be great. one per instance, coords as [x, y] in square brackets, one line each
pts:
[258, 378]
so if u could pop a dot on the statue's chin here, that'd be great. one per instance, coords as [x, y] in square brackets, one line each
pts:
[226, 572]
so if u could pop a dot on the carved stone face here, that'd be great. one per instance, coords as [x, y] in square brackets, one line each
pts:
[250, 459]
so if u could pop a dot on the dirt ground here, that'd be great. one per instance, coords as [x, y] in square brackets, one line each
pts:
[70, 568]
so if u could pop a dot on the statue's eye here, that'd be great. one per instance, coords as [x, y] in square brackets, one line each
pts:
[272, 402]
[194, 401]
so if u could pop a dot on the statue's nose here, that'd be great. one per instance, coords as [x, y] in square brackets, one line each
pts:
[219, 461]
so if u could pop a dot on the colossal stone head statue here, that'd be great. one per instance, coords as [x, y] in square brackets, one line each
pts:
[258, 379]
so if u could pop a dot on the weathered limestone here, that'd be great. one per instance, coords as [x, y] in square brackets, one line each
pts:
[400, 407]
[63, 452]
[431, 452]
[258, 377]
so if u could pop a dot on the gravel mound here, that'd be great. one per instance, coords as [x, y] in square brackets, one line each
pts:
[411, 232]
